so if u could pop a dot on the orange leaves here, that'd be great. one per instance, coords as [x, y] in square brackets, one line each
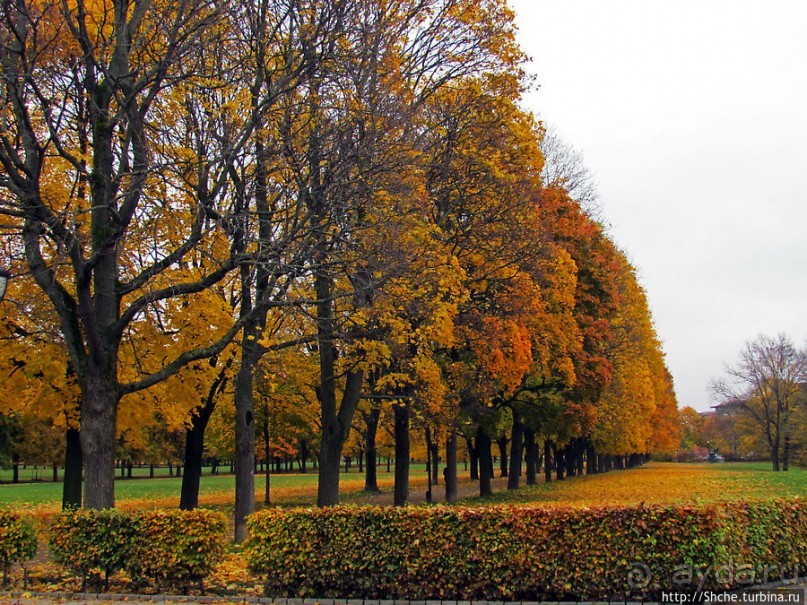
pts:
[504, 352]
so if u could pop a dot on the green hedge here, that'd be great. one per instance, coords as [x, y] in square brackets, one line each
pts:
[178, 548]
[87, 542]
[522, 552]
[171, 549]
[17, 542]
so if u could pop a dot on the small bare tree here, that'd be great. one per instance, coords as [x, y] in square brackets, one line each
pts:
[768, 381]
[565, 168]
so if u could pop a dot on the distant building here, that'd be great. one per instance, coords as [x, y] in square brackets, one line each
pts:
[730, 407]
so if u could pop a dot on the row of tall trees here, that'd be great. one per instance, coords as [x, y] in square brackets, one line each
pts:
[307, 208]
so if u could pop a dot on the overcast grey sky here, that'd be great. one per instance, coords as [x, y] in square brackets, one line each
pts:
[692, 117]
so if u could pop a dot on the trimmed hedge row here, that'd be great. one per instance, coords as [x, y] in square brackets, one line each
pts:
[17, 542]
[172, 549]
[524, 553]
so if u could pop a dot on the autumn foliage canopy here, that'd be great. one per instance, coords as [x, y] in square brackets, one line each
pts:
[318, 214]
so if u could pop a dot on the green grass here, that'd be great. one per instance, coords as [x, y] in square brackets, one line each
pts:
[292, 489]
[654, 482]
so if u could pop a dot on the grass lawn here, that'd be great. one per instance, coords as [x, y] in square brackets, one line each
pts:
[215, 491]
[653, 483]
[659, 482]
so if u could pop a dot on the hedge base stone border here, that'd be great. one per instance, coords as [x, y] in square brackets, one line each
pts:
[70, 598]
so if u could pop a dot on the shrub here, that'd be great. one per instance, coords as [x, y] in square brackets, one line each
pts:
[17, 543]
[172, 549]
[178, 548]
[88, 541]
[517, 553]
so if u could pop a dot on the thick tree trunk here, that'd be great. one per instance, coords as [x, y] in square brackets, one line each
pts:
[516, 454]
[335, 430]
[194, 447]
[452, 491]
[402, 452]
[530, 456]
[483, 446]
[370, 452]
[330, 455]
[73, 468]
[195, 443]
[335, 423]
[99, 406]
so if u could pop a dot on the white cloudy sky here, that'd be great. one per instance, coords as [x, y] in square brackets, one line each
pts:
[692, 116]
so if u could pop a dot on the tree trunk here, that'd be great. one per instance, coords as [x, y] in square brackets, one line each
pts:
[591, 460]
[516, 454]
[73, 467]
[370, 452]
[435, 456]
[429, 482]
[473, 454]
[775, 456]
[530, 455]
[335, 429]
[402, 451]
[245, 435]
[579, 457]
[267, 472]
[303, 447]
[452, 490]
[483, 446]
[501, 443]
[786, 454]
[548, 447]
[195, 442]
[194, 446]
[569, 457]
[335, 422]
[99, 407]
[560, 463]
[15, 468]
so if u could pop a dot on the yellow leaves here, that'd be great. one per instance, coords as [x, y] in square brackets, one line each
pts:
[372, 354]
[394, 381]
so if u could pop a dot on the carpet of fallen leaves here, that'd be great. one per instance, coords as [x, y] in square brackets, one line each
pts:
[663, 483]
